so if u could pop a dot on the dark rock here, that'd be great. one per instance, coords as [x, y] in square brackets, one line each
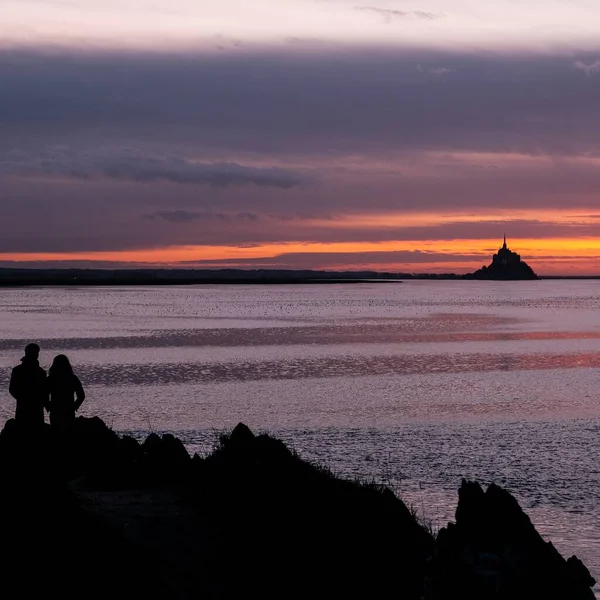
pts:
[252, 518]
[53, 547]
[580, 572]
[240, 437]
[313, 535]
[152, 444]
[164, 457]
[130, 447]
[494, 552]
[175, 451]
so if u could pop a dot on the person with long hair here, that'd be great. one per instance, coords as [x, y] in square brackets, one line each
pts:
[66, 393]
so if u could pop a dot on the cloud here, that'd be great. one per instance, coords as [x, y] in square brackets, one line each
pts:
[440, 71]
[339, 260]
[301, 102]
[304, 216]
[588, 69]
[130, 164]
[167, 25]
[184, 216]
[390, 15]
[218, 137]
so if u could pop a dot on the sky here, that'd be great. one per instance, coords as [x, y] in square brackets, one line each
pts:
[396, 135]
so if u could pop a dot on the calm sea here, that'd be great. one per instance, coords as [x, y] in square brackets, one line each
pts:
[417, 384]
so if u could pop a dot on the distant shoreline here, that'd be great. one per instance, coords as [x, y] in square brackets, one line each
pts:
[179, 282]
[75, 282]
[23, 277]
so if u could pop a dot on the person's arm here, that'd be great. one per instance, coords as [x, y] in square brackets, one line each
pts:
[13, 388]
[79, 393]
[46, 392]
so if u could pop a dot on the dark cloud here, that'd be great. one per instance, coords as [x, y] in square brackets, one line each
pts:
[305, 216]
[135, 165]
[307, 260]
[184, 216]
[406, 261]
[220, 136]
[303, 102]
[182, 227]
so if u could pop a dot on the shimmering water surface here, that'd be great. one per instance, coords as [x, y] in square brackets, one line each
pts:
[417, 384]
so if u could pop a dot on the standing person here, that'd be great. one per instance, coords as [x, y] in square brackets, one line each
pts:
[28, 386]
[66, 393]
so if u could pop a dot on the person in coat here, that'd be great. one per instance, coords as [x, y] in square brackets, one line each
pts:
[66, 393]
[29, 387]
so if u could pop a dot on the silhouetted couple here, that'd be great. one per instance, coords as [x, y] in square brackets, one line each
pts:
[60, 393]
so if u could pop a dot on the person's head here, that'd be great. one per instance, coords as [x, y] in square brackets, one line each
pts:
[32, 351]
[61, 366]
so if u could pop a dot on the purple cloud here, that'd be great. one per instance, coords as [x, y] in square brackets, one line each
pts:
[130, 164]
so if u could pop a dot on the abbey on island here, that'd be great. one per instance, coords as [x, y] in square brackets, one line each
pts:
[505, 265]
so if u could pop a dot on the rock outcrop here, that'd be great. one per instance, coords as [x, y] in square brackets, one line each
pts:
[97, 515]
[493, 551]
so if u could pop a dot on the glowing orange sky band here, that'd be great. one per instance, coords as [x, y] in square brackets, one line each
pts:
[564, 248]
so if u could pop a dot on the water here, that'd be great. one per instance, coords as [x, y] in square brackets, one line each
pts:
[415, 384]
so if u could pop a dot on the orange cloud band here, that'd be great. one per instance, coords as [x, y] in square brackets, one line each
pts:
[555, 254]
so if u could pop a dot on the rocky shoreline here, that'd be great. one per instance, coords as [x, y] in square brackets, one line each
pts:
[99, 515]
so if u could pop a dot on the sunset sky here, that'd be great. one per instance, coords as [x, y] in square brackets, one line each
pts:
[398, 135]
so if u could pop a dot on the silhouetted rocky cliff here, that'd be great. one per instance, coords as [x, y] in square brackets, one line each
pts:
[97, 515]
[494, 551]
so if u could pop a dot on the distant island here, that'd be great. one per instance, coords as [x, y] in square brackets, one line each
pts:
[505, 265]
